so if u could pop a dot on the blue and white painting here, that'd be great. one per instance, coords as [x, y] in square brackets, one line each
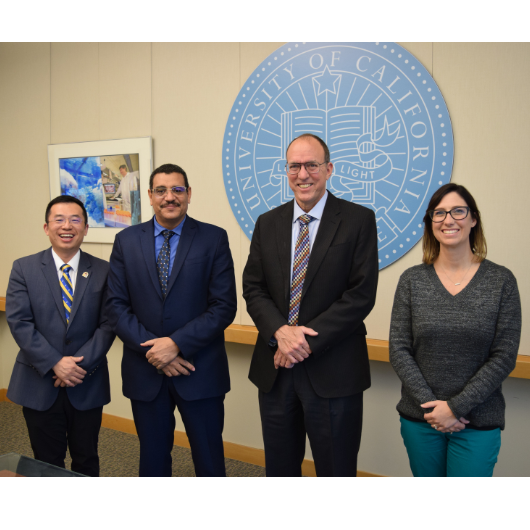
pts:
[81, 178]
[108, 186]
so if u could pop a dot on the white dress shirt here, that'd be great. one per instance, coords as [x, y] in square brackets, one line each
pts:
[316, 212]
[74, 263]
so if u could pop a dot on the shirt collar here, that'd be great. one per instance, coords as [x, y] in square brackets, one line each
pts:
[74, 262]
[316, 212]
[159, 228]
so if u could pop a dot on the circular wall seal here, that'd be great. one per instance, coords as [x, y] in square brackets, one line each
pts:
[379, 111]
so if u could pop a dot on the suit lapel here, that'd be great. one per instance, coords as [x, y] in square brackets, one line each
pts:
[328, 226]
[284, 230]
[50, 272]
[81, 283]
[148, 249]
[186, 237]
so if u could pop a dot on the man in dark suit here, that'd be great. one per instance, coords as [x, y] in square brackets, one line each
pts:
[309, 282]
[172, 294]
[55, 310]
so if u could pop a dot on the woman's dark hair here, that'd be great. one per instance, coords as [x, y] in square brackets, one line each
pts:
[477, 239]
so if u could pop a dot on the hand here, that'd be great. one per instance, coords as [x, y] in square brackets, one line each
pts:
[69, 372]
[281, 361]
[442, 418]
[292, 342]
[58, 382]
[162, 352]
[457, 427]
[178, 366]
[460, 425]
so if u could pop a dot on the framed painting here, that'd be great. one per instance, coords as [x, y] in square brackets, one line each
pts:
[110, 178]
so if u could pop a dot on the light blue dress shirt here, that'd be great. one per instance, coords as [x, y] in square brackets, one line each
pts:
[173, 241]
[316, 213]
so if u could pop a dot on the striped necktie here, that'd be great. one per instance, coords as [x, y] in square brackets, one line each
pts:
[162, 263]
[301, 258]
[67, 290]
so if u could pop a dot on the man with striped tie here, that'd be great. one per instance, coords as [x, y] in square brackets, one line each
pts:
[309, 283]
[55, 310]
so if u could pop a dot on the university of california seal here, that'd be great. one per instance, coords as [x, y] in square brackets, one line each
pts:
[379, 111]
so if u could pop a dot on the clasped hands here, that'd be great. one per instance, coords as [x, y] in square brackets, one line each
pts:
[292, 345]
[68, 372]
[165, 355]
[442, 418]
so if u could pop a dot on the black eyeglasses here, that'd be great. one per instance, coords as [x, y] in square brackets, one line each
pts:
[311, 167]
[458, 213]
[175, 190]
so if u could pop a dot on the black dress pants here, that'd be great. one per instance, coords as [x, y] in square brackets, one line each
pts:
[292, 409]
[52, 431]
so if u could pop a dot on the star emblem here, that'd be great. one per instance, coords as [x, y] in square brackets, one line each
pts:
[326, 82]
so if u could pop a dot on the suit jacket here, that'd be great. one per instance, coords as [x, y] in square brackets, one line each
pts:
[35, 314]
[338, 293]
[200, 304]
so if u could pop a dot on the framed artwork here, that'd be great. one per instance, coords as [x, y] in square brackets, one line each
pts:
[110, 178]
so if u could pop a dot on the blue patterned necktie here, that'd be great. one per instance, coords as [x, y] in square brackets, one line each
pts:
[162, 263]
[67, 291]
[301, 259]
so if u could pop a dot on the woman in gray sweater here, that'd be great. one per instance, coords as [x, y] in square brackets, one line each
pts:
[454, 337]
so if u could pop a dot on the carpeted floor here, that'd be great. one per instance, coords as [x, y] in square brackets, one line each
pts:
[118, 452]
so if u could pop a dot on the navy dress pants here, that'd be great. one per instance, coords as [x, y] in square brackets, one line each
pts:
[155, 423]
[291, 409]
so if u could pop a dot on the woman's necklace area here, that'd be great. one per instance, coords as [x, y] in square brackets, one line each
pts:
[452, 281]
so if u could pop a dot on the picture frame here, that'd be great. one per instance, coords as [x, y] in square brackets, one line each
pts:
[93, 172]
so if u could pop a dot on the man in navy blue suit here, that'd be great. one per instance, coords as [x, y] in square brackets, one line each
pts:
[171, 295]
[55, 310]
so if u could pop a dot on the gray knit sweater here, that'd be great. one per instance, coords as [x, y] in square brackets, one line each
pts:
[459, 348]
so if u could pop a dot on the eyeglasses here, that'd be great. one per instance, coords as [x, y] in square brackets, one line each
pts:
[458, 213]
[311, 167]
[175, 190]
[73, 221]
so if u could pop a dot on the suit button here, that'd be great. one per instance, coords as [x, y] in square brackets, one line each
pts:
[67, 342]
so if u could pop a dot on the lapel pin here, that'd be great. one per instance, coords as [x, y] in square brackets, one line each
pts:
[85, 274]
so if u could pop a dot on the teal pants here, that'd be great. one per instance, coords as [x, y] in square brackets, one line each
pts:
[468, 453]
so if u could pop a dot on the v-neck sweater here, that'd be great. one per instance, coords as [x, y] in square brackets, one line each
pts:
[457, 348]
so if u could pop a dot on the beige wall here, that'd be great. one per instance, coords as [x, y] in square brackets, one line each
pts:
[181, 95]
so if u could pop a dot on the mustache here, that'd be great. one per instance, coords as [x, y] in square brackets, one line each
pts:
[172, 203]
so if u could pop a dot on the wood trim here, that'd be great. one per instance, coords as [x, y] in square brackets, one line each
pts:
[522, 367]
[377, 349]
[241, 334]
[117, 423]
